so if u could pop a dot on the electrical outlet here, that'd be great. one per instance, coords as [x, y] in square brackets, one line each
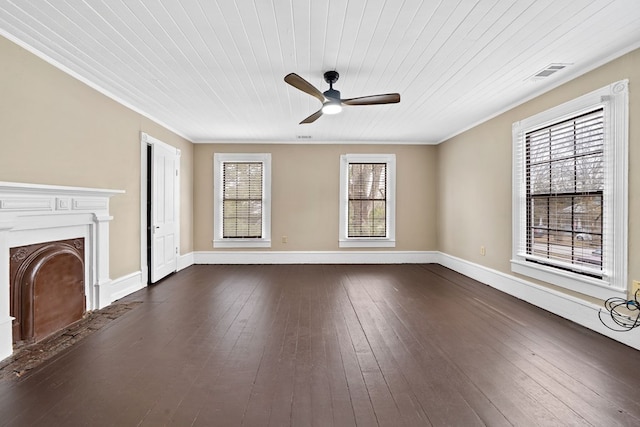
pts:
[483, 251]
[285, 239]
[635, 288]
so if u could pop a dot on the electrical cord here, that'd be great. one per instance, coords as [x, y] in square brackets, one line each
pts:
[624, 320]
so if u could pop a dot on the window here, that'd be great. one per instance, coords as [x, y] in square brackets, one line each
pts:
[367, 200]
[570, 178]
[564, 188]
[242, 200]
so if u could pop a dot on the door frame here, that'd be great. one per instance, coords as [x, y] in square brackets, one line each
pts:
[147, 140]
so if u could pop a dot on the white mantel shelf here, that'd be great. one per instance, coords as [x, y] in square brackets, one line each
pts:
[21, 187]
[23, 190]
[34, 213]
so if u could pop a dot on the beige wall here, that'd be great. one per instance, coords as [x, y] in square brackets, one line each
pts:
[474, 171]
[454, 197]
[56, 130]
[305, 194]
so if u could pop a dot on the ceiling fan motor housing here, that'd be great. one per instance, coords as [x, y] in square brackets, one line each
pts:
[332, 94]
[331, 77]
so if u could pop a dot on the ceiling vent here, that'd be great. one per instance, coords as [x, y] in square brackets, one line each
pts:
[548, 71]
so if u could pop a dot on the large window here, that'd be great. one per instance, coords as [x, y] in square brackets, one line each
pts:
[367, 200]
[564, 189]
[242, 202]
[570, 193]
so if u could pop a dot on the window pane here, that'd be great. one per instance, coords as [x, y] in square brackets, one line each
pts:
[562, 179]
[242, 200]
[565, 182]
[540, 179]
[367, 200]
[590, 173]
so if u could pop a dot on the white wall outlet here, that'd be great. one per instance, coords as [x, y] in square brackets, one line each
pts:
[483, 251]
[285, 239]
[635, 288]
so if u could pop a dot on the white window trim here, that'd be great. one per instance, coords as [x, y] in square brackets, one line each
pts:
[218, 240]
[368, 242]
[614, 99]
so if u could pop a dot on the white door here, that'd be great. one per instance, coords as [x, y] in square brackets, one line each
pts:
[164, 243]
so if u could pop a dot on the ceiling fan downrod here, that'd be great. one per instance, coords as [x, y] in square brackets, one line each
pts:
[331, 77]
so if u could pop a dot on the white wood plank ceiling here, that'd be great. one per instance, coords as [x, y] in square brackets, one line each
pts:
[212, 70]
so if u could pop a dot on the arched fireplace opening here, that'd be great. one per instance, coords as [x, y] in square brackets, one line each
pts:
[47, 289]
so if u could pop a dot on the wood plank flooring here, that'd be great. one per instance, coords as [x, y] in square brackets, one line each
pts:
[331, 345]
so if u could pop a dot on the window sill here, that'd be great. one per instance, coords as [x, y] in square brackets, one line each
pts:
[367, 243]
[597, 288]
[242, 243]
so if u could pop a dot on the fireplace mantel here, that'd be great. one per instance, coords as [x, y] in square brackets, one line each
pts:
[33, 213]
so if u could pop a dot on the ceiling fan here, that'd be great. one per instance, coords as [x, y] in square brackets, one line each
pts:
[331, 101]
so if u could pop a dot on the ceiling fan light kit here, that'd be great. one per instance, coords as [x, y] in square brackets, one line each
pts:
[331, 101]
[331, 107]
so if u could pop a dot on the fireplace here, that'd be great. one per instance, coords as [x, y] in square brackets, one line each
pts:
[62, 235]
[46, 288]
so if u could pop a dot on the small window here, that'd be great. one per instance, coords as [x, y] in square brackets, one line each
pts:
[570, 194]
[242, 189]
[367, 200]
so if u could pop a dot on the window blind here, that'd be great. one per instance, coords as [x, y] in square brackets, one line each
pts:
[565, 181]
[242, 201]
[367, 211]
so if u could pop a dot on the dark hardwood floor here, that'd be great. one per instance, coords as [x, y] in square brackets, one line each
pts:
[343, 345]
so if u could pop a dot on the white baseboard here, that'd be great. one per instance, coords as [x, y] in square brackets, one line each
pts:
[125, 285]
[185, 261]
[575, 309]
[315, 257]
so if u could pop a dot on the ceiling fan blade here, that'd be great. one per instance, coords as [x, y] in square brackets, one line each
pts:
[299, 83]
[387, 98]
[312, 118]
